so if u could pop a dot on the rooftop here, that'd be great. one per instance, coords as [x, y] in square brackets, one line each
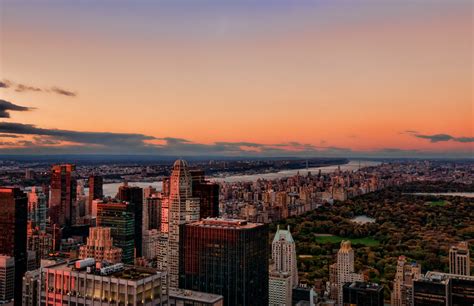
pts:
[364, 286]
[128, 272]
[225, 223]
[195, 296]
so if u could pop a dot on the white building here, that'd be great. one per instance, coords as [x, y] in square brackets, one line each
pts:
[403, 283]
[283, 272]
[459, 260]
[345, 269]
[151, 241]
[7, 278]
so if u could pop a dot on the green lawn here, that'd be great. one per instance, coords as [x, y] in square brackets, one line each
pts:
[367, 241]
[437, 203]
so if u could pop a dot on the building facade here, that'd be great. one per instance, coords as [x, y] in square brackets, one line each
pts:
[63, 194]
[13, 226]
[120, 219]
[7, 278]
[134, 196]
[100, 246]
[406, 273]
[459, 259]
[226, 257]
[95, 191]
[362, 294]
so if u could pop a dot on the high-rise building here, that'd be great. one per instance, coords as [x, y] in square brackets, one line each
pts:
[180, 297]
[362, 294]
[119, 217]
[31, 288]
[459, 259]
[226, 257]
[153, 209]
[13, 226]
[134, 196]
[441, 289]
[344, 271]
[151, 241]
[181, 207]
[406, 273]
[40, 242]
[37, 208]
[7, 279]
[208, 194]
[100, 246]
[63, 194]
[82, 283]
[283, 272]
[95, 190]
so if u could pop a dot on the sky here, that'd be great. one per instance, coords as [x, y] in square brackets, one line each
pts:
[237, 78]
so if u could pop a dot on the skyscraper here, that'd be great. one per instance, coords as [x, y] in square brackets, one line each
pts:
[182, 208]
[134, 196]
[459, 260]
[120, 218]
[100, 246]
[7, 279]
[13, 223]
[283, 273]
[63, 194]
[37, 208]
[344, 270]
[208, 194]
[95, 190]
[226, 257]
[403, 283]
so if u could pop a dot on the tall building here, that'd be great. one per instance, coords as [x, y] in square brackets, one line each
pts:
[37, 208]
[151, 241]
[81, 283]
[119, 217]
[63, 194]
[95, 190]
[406, 273]
[181, 207]
[208, 194]
[31, 288]
[226, 257]
[7, 279]
[344, 271]
[440, 289]
[180, 297]
[283, 273]
[134, 196]
[153, 209]
[362, 294]
[459, 259]
[100, 246]
[13, 224]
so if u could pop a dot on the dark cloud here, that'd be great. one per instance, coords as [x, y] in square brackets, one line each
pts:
[9, 136]
[56, 141]
[444, 137]
[24, 88]
[28, 88]
[6, 107]
[63, 92]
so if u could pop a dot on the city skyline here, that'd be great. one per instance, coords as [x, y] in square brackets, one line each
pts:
[321, 78]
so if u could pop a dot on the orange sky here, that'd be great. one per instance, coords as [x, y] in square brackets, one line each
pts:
[343, 75]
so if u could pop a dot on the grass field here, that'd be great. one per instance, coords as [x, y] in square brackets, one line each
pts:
[367, 241]
[437, 203]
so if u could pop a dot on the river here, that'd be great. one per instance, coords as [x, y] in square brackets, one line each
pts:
[110, 189]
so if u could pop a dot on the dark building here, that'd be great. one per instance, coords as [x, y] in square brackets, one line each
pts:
[153, 205]
[63, 194]
[208, 194]
[95, 190]
[13, 222]
[437, 288]
[362, 294]
[226, 257]
[120, 218]
[134, 196]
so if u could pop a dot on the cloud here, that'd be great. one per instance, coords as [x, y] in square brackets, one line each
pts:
[63, 92]
[444, 137]
[37, 140]
[6, 107]
[9, 136]
[18, 87]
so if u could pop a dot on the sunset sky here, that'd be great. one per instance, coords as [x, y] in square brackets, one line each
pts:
[264, 78]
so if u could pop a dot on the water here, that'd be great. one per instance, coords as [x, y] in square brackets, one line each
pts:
[111, 189]
[363, 219]
[449, 194]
